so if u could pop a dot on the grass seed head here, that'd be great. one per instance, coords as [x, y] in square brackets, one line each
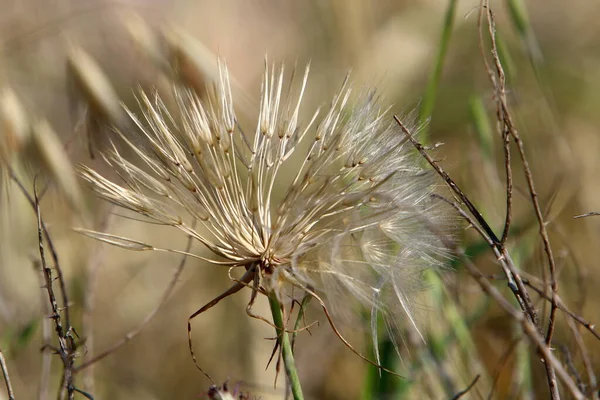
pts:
[355, 220]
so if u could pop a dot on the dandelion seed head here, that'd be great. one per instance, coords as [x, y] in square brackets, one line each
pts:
[354, 220]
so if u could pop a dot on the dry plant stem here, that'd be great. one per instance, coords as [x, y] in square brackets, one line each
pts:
[528, 328]
[286, 348]
[465, 391]
[66, 344]
[34, 204]
[585, 357]
[568, 360]
[504, 120]
[310, 291]
[504, 261]
[561, 306]
[9, 389]
[248, 277]
[132, 334]
[574, 318]
[590, 214]
[509, 127]
[46, 367]
[63, 291]
[514, 279]
[509, 185]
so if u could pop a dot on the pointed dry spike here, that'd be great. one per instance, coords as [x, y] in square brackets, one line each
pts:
[146, 38]
[15, 127]
[56, 160]
[138, 175]
[115, 240]
[229, 117]
[194, 64]
[96, 87]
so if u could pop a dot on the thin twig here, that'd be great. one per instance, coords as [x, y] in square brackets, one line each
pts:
[507, 120]
[507, 263]
[585, 357]
[66, 344]
[46, 367]
[571, 367]
[590, 214]
[561, 306]
[503, 118]
[34, 204]
[528, 328]
[514, 279]
[9, 389]
[132, 334]
[466, 390]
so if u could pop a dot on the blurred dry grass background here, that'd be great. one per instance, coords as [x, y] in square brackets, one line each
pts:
[554, 84]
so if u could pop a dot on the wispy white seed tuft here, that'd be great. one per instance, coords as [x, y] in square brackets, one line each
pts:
[355, 220]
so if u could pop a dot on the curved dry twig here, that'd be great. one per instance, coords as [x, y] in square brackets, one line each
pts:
[466, 390]
[337, 332]
[132, 334]
[514, 280]
[236, 287]
[4, 368]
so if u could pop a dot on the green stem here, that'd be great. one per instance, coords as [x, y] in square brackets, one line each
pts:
[286, 348]
[428, 100]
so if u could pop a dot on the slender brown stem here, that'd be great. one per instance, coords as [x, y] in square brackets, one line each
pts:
[528, 328]
[510, 129]
[4, 368]
[477, 220]
[133, 333]
[465, 391]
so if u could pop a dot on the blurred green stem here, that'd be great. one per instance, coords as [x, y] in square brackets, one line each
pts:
[428, 100]
[286, 348]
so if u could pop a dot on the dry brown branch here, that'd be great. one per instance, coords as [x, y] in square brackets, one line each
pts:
[476, 220]
[46, 367]
[509, 128]
[528, 328]
[551, 364]
[561, 306]
[590, 214]
[466, 390]
[67, 346]
[9, 389]
[514, 279]
[66, 342]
